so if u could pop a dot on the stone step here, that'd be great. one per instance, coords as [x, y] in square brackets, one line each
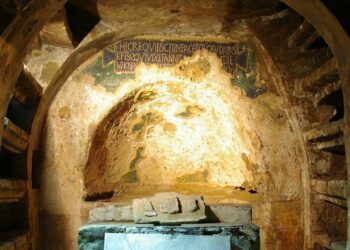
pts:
[324, 131]
[326, 91]
[11, 190]
[326, 74]
[14, 139]
[333, 188]
[300, 35]
[325, 241]
[341, 202]
[334, 145]
[27, 86]
[20, 242]
[327, 137]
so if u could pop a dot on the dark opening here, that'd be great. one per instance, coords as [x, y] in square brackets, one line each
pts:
[80, 21]
[12, 165]
[22, 114]
[341, 10]
[335, 99]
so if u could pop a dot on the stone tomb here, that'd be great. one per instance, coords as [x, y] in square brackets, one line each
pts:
[169, 208]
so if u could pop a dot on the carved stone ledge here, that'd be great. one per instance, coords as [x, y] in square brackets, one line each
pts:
[169, 208]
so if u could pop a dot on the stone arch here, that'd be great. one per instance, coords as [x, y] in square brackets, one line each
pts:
[312, 10]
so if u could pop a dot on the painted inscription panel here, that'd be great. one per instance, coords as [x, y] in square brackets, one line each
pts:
[118, 61]
[127, 54]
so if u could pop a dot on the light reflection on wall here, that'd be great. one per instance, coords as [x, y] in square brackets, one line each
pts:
[181, 126]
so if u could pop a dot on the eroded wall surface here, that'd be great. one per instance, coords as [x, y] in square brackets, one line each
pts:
[195, 126]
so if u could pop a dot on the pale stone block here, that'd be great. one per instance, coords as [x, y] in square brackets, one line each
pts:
[111, 213]
[149, 210]
[169, 208]
[232, 214]
[165, 242]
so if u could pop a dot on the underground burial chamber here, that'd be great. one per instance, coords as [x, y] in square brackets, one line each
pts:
[247, 118]
[198, 122]
[206, 115]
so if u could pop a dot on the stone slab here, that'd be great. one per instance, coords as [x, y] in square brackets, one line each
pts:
[111, 213]
[169, 208]
[92, 236]
[231, 214]
[166, 242]
[227, 213]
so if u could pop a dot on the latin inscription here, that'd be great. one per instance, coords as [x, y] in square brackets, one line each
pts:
[127, 54]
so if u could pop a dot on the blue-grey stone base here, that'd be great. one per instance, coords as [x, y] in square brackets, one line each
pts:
[92, 236]
[133, 241]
